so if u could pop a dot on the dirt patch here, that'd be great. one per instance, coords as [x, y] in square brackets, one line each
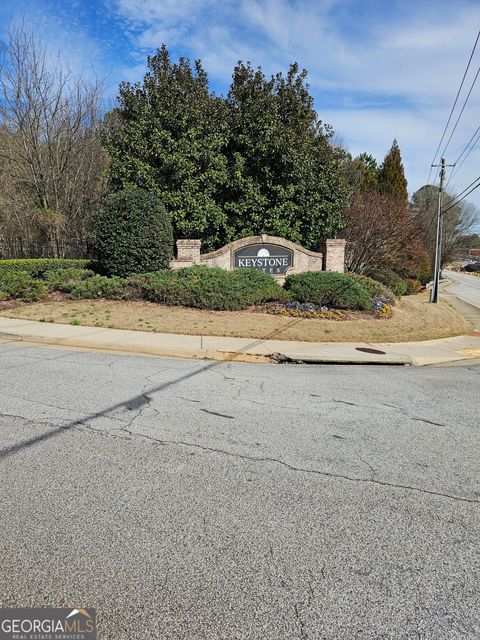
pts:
[414, 318]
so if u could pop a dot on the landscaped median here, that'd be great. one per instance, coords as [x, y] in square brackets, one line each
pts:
[312, 307]
[414, 318]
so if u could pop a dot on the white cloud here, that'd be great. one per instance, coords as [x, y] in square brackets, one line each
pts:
[78, 50]
[393, 72]
[377, 69]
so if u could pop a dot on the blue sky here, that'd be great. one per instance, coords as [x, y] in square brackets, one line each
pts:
[378, 69]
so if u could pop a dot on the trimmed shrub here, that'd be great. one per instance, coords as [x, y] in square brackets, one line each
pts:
[132, 234]
[38, 267]
[391, 280]
[330, 289]
[21, 285]
[208, 288]
[375, 289]
[101, 287]
[66, 279]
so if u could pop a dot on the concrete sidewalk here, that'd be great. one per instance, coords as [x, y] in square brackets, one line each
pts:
[240, 349]
[465, 300]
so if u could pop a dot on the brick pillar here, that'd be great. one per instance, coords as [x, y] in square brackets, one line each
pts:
[188, 252]
[334, 255]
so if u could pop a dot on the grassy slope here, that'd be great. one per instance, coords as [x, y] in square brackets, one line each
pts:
[414, 319]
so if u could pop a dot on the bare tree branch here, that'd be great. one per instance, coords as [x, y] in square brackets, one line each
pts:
[52, 165]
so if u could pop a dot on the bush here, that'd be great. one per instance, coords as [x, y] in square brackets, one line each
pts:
[375, 289]
[208, 288]
[132, 234]
[330, 289]
[20, 285]
[38, 267]
[421, 270]
[66, 279]
[391, 280]
[413, 286]
[101, 287]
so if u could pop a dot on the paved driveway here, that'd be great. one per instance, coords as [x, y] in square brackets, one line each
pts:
[465, 286]
[192, 500]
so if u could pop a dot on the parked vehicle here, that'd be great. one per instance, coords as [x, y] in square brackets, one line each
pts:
[472, 267]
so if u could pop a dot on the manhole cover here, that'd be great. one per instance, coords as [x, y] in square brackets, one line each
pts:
[369, 350]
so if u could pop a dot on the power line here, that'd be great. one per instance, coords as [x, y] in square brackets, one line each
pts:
[467, 194]
[457, 168]
[466, 146]
[455, 201]
[461, 192]
[453, 107]
[461, 112]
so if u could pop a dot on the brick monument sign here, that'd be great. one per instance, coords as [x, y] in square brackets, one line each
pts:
[276, 256]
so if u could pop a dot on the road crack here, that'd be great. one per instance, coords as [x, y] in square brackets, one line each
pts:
[277, 461]
[215, 413]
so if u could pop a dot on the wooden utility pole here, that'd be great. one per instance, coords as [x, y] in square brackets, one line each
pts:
[439, 236]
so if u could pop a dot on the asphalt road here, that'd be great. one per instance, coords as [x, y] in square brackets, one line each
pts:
[465, 286]
[195, 500]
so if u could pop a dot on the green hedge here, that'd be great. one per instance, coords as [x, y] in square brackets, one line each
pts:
[66, 280]
[390, 279]
[38, 267]
[208, 288]
[201, 287]
[329, 289]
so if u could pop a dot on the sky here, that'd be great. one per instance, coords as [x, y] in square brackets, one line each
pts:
[378, 69]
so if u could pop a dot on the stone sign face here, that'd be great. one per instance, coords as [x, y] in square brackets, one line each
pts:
[277, 256]
[270, 258]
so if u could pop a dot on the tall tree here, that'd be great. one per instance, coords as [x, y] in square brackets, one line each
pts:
[391, 175]
[51, 160]
[368, 168]
[382, 233]
[361, 172]
[285, 177]
[258, 161]
[167, 135]
[458, 221]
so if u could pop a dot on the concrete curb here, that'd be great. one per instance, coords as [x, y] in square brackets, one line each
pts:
[203, 354]
[239, 349]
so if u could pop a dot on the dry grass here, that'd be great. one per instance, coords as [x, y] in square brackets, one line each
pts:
[414, 319]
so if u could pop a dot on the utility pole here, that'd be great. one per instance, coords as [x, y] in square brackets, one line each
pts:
[439, 237]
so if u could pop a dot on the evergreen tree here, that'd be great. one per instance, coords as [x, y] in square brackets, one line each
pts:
[368, 168]
[167, 136]
[258, 161]
[285, 177]
[391, 176]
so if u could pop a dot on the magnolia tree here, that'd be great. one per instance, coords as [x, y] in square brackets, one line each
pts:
[257, 161]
